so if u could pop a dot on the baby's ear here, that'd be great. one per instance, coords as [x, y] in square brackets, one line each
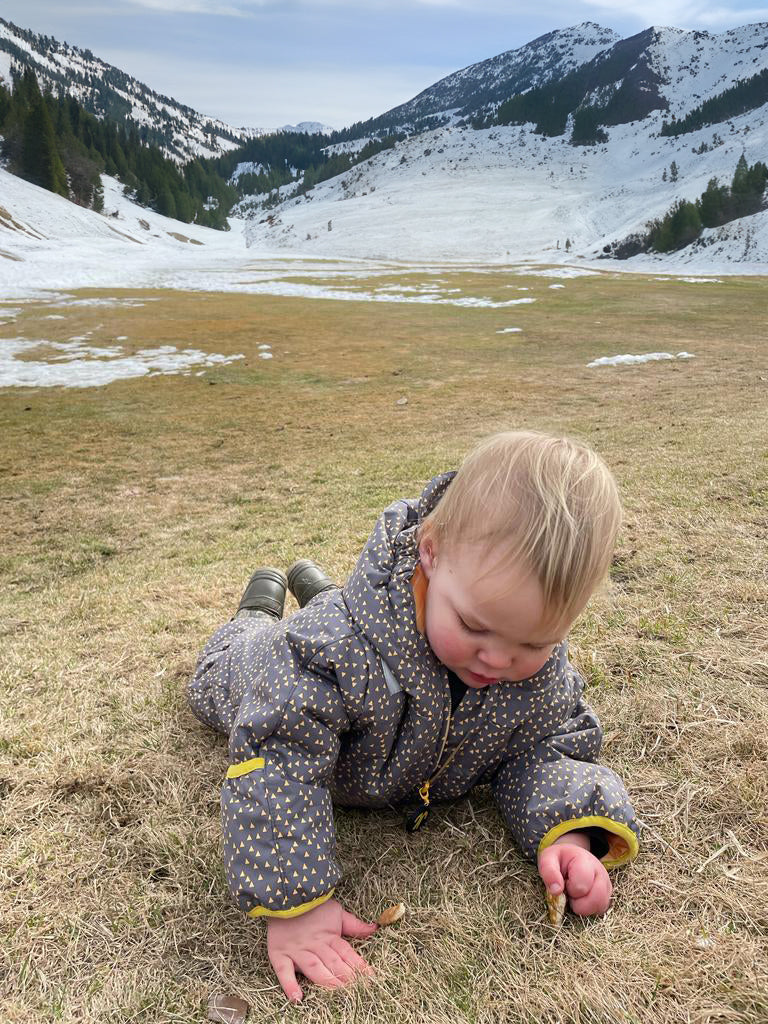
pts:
[428, 555]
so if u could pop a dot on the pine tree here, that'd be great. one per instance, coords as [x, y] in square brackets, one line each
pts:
[712, 204]
[40, 158]
[166, 203]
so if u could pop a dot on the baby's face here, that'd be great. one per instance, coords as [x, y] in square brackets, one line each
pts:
[486, 625]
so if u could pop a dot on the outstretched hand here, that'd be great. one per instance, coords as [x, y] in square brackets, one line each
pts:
[568, 864]
[313, 944]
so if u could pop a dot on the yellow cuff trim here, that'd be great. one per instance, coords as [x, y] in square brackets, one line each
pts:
[622, 841]
[294, 911]
[236, 770]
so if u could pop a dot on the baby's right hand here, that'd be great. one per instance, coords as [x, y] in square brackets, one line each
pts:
[312, 943]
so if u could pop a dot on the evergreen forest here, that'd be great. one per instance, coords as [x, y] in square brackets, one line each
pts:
[717, 205]
[55, 143]
[291, 157]
[739, 99]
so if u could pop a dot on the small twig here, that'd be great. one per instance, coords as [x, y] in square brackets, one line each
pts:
[742, 852]
[668, 888]
[709, 721]
[714, 856]
[662, 840]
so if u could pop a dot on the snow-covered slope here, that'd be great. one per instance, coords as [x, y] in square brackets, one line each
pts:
[48, 243]
[507, 193]
[694, 66]
[549, 57]
[102, 89]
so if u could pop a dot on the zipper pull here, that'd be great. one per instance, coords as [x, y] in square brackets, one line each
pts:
[416, 816]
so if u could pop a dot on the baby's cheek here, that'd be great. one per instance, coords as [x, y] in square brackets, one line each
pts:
[449, 646]
[534, 664]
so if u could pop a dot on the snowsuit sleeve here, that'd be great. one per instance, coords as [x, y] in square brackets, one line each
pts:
[555, 786]
[277, 817]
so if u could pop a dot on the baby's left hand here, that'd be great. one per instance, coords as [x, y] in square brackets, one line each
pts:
[568, 863]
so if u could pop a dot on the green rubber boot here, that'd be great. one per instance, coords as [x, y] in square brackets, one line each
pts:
[306, 580]
[265, 592]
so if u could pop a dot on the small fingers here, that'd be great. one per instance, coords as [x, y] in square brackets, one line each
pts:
[597, 900]
[351, 956]
[312, 967]
[338, 967]
[283, 968]
[354, 927]
[581, 877]
[549, 869]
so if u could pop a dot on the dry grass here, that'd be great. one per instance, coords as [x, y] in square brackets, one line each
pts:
[132, 515]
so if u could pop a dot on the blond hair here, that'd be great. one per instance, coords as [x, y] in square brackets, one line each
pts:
[547, 502]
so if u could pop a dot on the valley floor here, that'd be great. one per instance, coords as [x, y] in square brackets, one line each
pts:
[134, 512]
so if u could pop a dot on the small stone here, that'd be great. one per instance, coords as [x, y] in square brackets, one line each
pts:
[402, 401]
[391, 914]
[556, 904]
[229, 1009]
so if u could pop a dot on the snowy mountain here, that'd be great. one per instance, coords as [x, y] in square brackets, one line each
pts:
[104, 90]
[523, 189]
[308, 127]
[556, 152]
[546, 59]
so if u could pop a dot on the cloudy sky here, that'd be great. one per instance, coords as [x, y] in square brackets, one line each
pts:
[265, 63]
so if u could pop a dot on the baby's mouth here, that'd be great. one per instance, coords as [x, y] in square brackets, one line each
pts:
[483, 680]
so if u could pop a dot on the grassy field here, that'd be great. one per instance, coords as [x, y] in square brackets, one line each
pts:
[132, 515]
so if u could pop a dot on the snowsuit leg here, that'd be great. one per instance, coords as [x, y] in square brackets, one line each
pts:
[208, 690]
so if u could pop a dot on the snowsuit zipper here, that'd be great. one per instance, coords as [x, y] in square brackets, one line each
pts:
[416, 816]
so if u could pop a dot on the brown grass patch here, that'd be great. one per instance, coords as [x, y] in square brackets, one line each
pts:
[132, 517]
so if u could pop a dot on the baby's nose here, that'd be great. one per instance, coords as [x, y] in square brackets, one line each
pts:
[497, 659]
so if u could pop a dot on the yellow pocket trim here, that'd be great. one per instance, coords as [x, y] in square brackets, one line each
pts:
[622, 849]
[294, 911]
[243, 767]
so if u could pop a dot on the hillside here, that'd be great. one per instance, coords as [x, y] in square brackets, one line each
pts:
[107, 91]
[47, 242]
[477, 187]
[481, 85]
[509, 192]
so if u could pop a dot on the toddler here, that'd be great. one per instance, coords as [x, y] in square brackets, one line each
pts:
[441, 665]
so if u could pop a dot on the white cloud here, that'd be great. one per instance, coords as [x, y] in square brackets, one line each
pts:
[681, 15]
[190, 7]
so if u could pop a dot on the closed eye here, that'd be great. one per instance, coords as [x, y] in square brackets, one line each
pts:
[469, 629]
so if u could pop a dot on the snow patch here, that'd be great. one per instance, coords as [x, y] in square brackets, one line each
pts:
[557, 272]
[316, 291]
[700, 280]
[630, 359]
[72, 364]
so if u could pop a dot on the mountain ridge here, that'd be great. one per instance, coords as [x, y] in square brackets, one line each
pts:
[453, 182]
[105, 90]
[523, 188]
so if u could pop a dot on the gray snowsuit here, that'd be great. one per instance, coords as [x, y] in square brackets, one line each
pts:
[344, 701]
